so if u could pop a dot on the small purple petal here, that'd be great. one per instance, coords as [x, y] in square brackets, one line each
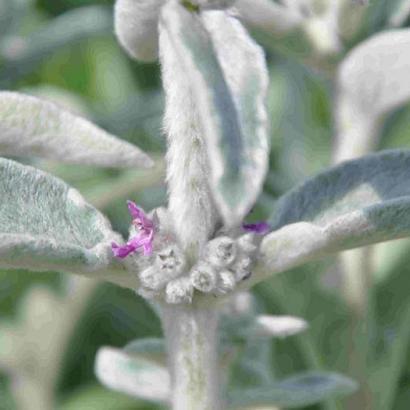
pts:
[147, 249]
[134, 211]
[142, 240]
[122, 251]
[139, 216]
[260, 228]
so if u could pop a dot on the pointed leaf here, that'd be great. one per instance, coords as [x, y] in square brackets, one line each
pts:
[34, 127]
[137, 377]
[357, 203]
[297, 391]
[46, 225]
[227, 72]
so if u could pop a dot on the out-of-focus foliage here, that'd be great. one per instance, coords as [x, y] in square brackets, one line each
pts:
[65, 50]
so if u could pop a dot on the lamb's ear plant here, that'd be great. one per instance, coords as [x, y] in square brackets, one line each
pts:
[194, 259]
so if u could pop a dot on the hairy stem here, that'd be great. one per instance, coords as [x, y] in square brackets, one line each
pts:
[191, 335]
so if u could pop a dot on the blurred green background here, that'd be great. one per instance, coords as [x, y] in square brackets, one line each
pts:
[66, 50]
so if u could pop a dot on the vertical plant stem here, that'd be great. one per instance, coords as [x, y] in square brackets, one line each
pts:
[191, 335]
[356, 136]
[32, 394]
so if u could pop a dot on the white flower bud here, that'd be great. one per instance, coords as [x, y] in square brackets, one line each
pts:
[170, 262]
[153, 279]
[179, 291]
[242, 268]
[247, 243]
[226, 282]
[203, 277]
[221, 251]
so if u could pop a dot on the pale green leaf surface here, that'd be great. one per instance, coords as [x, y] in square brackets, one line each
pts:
[137, 377]
[46, 225]
[228, 76]
[351, 186]
[373, 78]
[268, 16]
[33, 127]
[357, 203]
[136, 27]
[296, 391]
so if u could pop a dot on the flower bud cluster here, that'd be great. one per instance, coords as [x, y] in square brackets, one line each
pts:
[224, 262]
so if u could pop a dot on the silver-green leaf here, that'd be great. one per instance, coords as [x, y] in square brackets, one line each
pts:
[45, 225]
[132, 375]
[228, 76]
[357, 203]
[373, 77]
[297, 391]
[136, 27]
[30, 126]
[372, 80]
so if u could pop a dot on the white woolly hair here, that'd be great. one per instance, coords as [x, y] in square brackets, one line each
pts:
[136, 27]
[190, 202]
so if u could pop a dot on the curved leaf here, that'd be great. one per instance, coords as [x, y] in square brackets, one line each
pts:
[374, 75]
[351, 186]
[268, 16]
[137, 377]
[372, 80]
[227, 72]
[46, 225]
[35, 127]
[357, 203]
[136, 26]
[296, 391]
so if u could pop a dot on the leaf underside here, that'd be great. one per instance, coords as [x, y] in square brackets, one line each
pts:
[46, 225]
[231, 99]
[357, 203]
[30, 126]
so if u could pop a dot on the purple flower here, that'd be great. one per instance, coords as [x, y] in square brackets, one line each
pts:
[144, 238]
[260, 228]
